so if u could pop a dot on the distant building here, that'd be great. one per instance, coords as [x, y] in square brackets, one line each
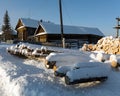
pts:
[47, 32]
[1, 35]
[26, 28]
[44, 32]
[13, 35]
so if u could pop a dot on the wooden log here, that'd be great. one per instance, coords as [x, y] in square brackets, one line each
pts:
[114, 64]
[84, 80]
[58, 74]
[50, 64]
[90, 46]
[87, 74]
[118, 52]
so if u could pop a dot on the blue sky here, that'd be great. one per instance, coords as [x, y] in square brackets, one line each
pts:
[89, 13]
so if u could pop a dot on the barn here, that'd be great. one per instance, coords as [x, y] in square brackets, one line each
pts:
[48, 32]
[26, 28]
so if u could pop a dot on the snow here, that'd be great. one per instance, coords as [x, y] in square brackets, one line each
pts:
[27, 77]
[64, 69]
[51, 28]
[87, 73]
[14, 32]
[67, 58]
[43, 48]
[115, 58]
[100, 56]
[1, 32]
[30, 22]
[90, 65]
[89, 70]
[35, 52]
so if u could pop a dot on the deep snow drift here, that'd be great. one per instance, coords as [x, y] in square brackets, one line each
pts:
[25, 77]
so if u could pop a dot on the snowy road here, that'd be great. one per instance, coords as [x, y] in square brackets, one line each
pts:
[24, 77]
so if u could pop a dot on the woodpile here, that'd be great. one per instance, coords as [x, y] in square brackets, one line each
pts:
[24, 51]
[108, 45]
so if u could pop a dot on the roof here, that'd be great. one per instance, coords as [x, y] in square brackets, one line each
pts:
[14, 32]
[1, 32]
[51, 28]
[30, 22]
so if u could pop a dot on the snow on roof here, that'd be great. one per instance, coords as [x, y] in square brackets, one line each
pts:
[30, 22]
[14, 32]
[1, 32]
[42, 33]
[52, 28]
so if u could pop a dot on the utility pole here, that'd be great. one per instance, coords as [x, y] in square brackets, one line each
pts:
[117, 27]
[61, 25]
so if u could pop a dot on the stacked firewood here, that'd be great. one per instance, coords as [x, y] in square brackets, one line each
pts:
[108, 45]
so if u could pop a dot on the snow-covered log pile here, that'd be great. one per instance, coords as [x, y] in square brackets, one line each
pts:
[87, 72]
[62, 70]
[76, 68]
[102, 57]
[74, 71]
[109, 45]
[23, 50]
[55, 60]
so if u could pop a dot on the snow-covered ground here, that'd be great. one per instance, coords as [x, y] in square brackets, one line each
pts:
[25, 77]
